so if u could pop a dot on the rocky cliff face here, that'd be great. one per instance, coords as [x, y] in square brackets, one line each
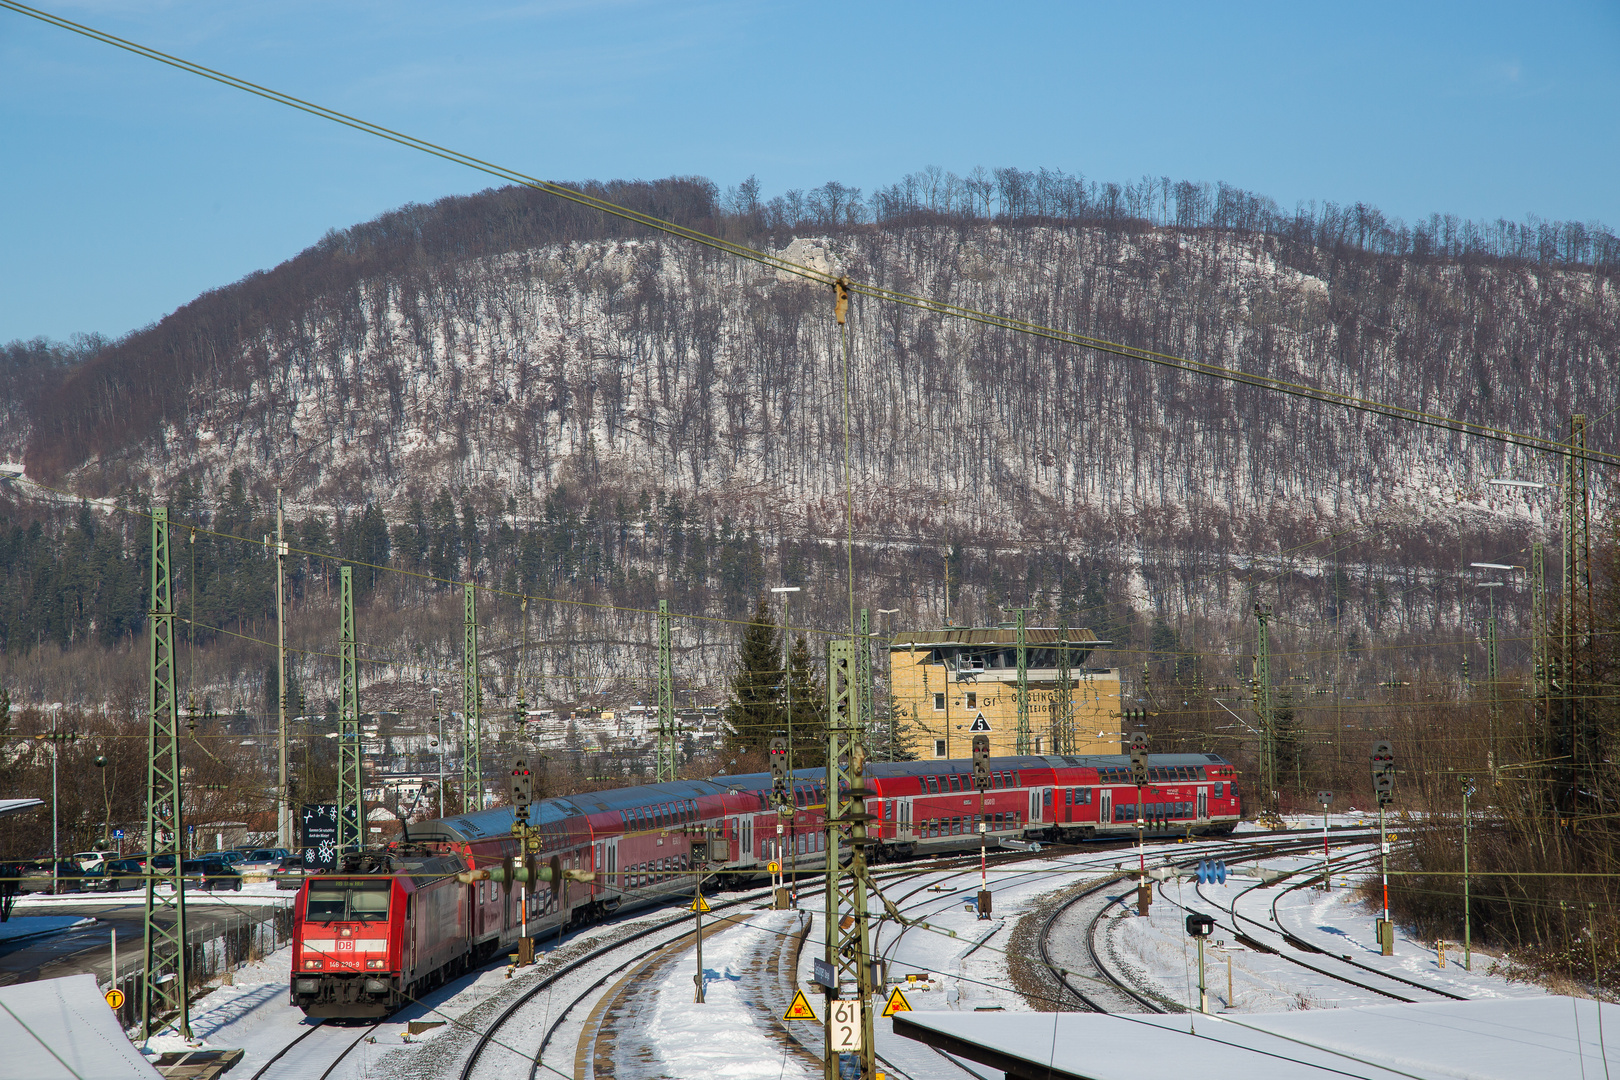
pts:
[449, 347]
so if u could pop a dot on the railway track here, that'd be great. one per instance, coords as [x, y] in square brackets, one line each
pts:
[1330, 961]
[323, 1046]
[1106, 991]
[560, 995]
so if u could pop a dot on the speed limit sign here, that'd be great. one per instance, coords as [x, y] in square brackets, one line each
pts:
[844, 1026]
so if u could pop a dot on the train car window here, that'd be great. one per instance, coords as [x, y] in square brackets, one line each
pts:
[1046, 798]
[931, 784]
[953, 782]
[888, 811]
[340, 900]
[1220, 791]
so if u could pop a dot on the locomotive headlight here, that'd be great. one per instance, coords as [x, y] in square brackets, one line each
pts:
[311, 964]
[376, 964]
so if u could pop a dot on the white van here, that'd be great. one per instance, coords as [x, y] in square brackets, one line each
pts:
[93, 860]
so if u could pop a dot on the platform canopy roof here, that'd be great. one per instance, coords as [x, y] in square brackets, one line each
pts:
[58, 1029]
[17, 806]
[1549, 1038]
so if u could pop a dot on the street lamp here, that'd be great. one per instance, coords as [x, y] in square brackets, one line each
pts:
[1468, 942]
[786, 593]
[437, 715]
[1491, 671]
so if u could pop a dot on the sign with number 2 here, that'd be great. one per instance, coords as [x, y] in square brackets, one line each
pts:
[844, 1026]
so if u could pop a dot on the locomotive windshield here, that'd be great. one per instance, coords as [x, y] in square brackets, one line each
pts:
[348, 900]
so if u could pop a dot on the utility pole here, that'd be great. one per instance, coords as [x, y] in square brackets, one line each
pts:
[1063, 700]
[1022, 742]
[1538, 631]
[1577, 612]
[1262, 704]
[848, 942]
[351, 818]
[664, 751]
[863, 677]
[472, 752]
[1468, 926]
[284, 814]
[163, 984]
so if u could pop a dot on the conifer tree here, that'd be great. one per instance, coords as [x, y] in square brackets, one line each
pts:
[755, 711]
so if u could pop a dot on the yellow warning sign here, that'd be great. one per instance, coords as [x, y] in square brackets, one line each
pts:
[699, 904]
[897, 1003]
[115, 998]
[800, 1009]
[773, 867]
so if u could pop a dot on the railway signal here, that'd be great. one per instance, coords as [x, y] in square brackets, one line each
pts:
[522, 789]
[1383, 778]
[1139, 753]
[779, 769]
[981, 762]
[1199, 927]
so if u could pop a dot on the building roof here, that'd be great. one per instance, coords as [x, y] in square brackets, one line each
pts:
[1506, 1037]
[16, 806]
[991, 635]
[63, 1028]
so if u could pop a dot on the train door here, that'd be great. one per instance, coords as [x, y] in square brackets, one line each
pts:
[1105, 806]
[610, 870]
[1035, 804]
[1203, 804]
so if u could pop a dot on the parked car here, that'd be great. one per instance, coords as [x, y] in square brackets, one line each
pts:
[262, 860]
[229, 855]
[36, 876]
[92, 860]
[120, 875]
[212, 874]
[290, 873]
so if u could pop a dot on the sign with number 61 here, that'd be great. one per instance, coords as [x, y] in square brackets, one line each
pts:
[844, 1026]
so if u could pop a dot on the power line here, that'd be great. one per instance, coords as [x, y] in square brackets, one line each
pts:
[775, 262]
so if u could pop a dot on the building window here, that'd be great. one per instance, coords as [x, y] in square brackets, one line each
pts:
[939, 703]
[1037, 744]
[972, 699]
[939, 744]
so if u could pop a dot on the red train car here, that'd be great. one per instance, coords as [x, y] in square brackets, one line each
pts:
[393, 923]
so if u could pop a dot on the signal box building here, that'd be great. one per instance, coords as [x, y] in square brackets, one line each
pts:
[961, 681]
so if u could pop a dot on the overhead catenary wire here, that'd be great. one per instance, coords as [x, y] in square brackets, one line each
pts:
[780, 264]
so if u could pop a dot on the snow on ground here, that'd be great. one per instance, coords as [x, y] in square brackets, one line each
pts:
[965, 958]
[256, 894]
[729, 1036]
[1160, 957]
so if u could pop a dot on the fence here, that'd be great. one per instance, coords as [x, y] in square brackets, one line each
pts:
[249, 934]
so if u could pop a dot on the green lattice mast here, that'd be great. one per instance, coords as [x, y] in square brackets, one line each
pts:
[163, 983]
[472, 751]
[1023, 741]
[848, 944]
[664, 748]
[351, 816]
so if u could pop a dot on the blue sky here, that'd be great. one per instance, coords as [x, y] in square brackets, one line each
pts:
[130, 187]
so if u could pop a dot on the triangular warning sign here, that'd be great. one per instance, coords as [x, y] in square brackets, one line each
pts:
[699, 904]
[800, 1009]
[980, 723]
[897, 1003]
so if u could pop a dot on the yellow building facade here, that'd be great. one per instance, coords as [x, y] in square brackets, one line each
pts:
[954, 683]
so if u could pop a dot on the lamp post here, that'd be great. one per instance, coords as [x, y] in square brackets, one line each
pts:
[1491, 669]
[786, 593]
[439, 716]
[1468, 942]
[894, 721]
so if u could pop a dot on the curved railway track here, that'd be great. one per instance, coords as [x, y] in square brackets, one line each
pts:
[311, 1051]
